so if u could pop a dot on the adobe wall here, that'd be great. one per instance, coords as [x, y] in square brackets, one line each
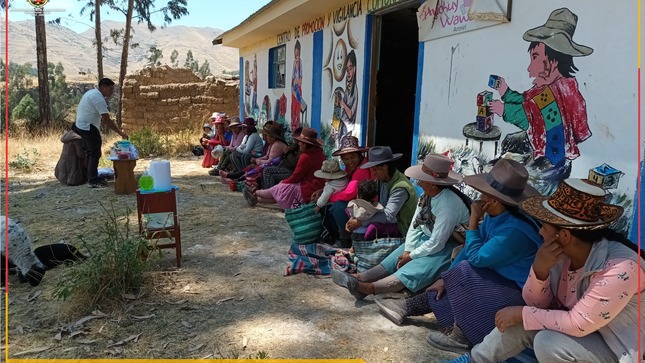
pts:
[174, 99]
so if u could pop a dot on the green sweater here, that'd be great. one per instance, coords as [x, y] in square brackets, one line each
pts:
[404, 218]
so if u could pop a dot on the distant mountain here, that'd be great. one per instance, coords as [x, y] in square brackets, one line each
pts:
[78, 55]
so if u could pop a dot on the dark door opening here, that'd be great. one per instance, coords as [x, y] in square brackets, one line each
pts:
[396, 83]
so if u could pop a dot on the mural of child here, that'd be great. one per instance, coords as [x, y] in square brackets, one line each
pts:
[552, 114]
[349, 99]
[296, 87]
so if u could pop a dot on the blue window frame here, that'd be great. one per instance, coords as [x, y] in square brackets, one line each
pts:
[277, 66]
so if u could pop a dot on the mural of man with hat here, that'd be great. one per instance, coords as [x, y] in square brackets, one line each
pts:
[552, 114]
[582, 292]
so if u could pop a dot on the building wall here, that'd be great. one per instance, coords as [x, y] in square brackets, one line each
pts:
[175, 99]
[343, 36]
[456, 68]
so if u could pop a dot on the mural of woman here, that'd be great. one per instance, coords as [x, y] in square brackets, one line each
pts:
[255, 86]
[247, 89]
[296, 87]
[349, 99]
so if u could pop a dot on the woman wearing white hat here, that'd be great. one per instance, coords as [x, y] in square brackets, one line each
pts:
[583, 289]
[428, 247]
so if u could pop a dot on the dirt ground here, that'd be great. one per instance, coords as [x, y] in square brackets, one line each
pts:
[229, 299]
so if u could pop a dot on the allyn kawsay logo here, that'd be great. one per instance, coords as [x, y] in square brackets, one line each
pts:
[37, 3]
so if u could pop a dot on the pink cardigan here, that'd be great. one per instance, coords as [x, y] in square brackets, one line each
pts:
[351, 190]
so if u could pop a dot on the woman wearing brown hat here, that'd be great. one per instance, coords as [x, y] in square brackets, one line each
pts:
[489, 272]
[302, 183]
[427, 248]
[353, 156]
[582, 292]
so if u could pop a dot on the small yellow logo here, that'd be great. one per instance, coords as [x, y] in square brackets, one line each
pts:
[37, 3]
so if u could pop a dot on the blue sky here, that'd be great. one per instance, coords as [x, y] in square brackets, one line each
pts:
[222, 14]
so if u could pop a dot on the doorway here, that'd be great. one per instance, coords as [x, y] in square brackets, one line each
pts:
[396, 80]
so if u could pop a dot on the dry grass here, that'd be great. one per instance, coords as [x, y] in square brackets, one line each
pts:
[47, 145]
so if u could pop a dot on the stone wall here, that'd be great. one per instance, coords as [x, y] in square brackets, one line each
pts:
[173, 99]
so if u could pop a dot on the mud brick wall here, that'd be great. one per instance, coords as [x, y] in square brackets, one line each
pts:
[174, 99]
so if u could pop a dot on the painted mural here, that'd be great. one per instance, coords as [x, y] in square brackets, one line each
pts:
[550, 117]
[297, 102]
[340, 78]
[251, 88]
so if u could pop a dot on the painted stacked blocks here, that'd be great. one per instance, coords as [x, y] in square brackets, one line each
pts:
[605, 176]
[484, 115]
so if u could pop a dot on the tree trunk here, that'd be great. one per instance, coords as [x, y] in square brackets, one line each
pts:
[124, 59]
[97, 34]
[41, 56]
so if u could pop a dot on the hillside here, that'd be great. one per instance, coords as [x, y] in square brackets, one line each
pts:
[77, 53]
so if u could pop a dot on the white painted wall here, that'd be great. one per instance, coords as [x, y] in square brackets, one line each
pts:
[457, 67]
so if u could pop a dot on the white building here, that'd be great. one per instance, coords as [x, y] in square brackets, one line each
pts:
[407, 73]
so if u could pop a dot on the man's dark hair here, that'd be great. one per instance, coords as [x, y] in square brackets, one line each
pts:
[367, 189]
[106, 82]
[391, 168]
[297, 46]
[565, 61]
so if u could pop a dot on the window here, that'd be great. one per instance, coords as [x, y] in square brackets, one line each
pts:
[277, 66]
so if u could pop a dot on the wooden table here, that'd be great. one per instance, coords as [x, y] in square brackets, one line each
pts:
[124, 182]
[470, 132]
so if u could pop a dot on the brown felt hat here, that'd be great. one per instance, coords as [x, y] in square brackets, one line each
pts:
[436, 170]
[309, 136]
[348, 144]
[506, 182]
[576, 204]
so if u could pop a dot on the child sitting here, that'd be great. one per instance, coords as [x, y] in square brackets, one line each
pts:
[363, 208]
[207, 135]
[336, 181]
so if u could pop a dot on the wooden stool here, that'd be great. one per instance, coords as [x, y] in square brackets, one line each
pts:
[160, 202]
[124, 182]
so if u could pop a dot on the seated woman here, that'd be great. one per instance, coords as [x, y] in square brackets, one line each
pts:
[297, 188]
[490, 270]
[427, 248]
[237, 137]
[582, 291]
[251, 145]
[273, 174]
[335, 218]
[217, 139]
[275, 145]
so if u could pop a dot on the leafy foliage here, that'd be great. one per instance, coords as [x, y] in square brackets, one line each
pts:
[204, 70]
[26, 110]
[154, 56]
[59, 94]
[25, 161]
[23, 93]
[148, 142]
[173, 58]
[191, 63]
[117, 265]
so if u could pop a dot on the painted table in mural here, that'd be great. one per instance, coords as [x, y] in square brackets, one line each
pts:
[470, 132]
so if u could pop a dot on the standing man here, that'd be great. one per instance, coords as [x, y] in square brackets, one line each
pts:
[552, 114]
[91, 111]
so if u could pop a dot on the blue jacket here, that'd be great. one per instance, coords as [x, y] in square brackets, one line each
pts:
[505, 244]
